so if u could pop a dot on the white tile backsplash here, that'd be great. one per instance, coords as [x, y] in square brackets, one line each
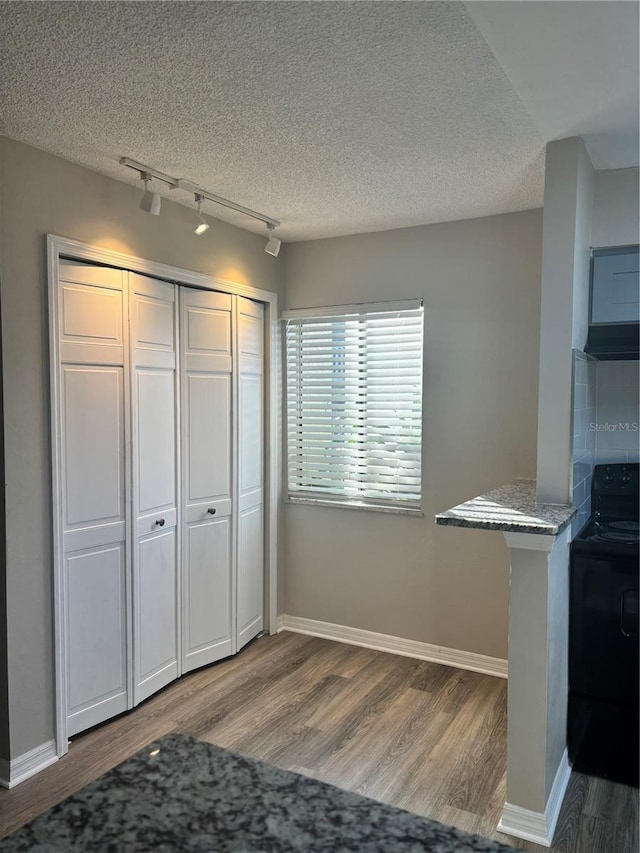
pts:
[584, 435]
[617, 416]
[606, 422]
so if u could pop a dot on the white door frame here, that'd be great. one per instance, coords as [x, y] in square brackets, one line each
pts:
[58, 247]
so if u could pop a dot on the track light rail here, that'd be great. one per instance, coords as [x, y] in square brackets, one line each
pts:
[188, 186]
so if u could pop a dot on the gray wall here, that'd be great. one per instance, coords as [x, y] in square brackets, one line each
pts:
[404, 576]
[40, 194]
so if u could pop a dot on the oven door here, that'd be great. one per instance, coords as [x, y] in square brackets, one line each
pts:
[603, 628]
[602, 720]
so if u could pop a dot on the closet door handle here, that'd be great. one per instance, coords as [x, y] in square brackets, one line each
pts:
[160, 522]
[211, 510]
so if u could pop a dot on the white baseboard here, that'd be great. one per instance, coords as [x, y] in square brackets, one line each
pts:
[394, 645]
[538, 827]
[26, 765]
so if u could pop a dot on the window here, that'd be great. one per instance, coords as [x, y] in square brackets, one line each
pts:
[354, 404]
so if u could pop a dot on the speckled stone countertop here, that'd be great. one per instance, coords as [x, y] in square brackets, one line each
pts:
[179, 794]
[511, 508]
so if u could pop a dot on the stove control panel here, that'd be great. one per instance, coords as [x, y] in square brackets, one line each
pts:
[617, 478]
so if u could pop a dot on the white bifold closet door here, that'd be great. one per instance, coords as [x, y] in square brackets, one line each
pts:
[153, 408]
[250, 551]
[222, 464]
[207, 449]
[92, 499]
[158, 422]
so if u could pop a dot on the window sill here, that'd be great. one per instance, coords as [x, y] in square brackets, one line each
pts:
[394, 510]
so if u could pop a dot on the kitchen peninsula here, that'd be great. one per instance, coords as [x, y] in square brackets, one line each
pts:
[511, 508]
[538, 537]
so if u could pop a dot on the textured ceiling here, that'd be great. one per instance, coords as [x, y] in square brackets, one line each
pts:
[334, 117]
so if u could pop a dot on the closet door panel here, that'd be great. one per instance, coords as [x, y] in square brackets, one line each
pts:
[156, 440]
[93, 506]
[250, 575]
[250, 561]
[93, 537]
[91, 314]
[90, 306]
[96, 636]
[200, 511]
[156, 522]
[207, 581]
[155, 577]
[206, 362]
[93, 447]
[208, 453]
[155, 613]
[251, 462]
[250, 329]
[154, 318]
[208, 328]
[81, 272]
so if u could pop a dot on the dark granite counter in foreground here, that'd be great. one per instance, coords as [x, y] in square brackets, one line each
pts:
[511, 508]
[179, 794]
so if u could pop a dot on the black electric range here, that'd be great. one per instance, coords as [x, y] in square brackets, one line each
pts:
[602, 730]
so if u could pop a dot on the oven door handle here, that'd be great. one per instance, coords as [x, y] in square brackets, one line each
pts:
[629, 613]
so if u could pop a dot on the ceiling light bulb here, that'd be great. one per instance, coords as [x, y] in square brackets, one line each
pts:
[202, 226]
[150, 201]
[273, 243]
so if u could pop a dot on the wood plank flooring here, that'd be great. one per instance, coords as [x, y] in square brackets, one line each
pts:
[427, 738]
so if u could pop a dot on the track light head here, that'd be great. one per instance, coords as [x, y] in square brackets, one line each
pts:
[202, 226]
[273, 243]
[150, 201]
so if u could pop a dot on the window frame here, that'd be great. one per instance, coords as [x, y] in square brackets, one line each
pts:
[411, 505]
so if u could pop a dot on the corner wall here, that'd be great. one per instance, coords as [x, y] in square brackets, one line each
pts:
[40, 194]
[400, 575]
[566, 241]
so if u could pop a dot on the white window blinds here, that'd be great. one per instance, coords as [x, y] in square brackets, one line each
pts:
[354, 404]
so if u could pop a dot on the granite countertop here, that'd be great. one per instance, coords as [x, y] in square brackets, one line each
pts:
[510, 508]
[179, 794]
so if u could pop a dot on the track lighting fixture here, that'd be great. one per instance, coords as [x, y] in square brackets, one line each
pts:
[202, 226]
[150, 201]
[273, 243]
